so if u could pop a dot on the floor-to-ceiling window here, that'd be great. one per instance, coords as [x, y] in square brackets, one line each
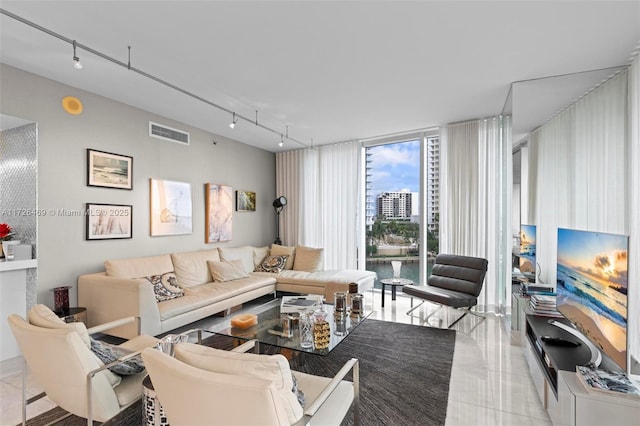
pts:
[402, 205]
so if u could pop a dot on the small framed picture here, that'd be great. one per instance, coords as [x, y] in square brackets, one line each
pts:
[245, 201]
[109, 221]
[109, 170]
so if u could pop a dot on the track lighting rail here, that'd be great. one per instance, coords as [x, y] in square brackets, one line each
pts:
[129, 67]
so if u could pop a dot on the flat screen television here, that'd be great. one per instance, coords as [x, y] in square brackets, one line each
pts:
[592, 278]
[527, 257]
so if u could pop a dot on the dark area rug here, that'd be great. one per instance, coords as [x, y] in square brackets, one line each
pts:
[404, 374]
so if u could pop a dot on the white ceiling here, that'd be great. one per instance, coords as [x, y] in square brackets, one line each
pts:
[327, 71]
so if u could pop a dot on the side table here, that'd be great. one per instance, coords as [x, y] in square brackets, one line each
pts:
[393, 283]
[152, 411]
[75, 315]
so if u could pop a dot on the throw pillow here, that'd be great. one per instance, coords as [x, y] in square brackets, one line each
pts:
[274, 264]
[165, 286]
[41, 316]
[244, 253]
[282, 250]
[307, 259]
[108, 353]
[227, 271]
[259, 254]
[297, 392]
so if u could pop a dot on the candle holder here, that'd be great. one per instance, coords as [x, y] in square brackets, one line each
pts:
[61, 300]
[340, 300]
[357, 305]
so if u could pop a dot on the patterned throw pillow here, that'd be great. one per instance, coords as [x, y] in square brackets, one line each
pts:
[165, 286]
[274, 264]
[108, 353]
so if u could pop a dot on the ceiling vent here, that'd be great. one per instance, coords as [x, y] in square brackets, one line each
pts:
[161, 131]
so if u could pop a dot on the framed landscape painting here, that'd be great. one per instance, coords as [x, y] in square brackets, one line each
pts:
[219, 213]
[109, 221]
[109, 170]
[171, 207]
[245, 201]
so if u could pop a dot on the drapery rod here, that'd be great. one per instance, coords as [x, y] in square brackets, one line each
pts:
[145, 74]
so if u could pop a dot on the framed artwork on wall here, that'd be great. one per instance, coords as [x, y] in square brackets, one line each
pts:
[219, 213]
[109, 170]
[245, 201]
[109, 221]
[170, 207]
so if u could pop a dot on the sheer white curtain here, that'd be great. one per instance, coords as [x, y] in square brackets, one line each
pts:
[584, 175]
[634, 209]
[289, 166]
[579, 172]
[474, 195]
[323, 188]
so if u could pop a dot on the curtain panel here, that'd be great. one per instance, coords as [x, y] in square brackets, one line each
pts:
[579, 171]
[323, 189]
[634, 208]
[583, 174]
[474, 199]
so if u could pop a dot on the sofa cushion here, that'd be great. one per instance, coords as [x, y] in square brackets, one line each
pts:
[191, 267]
[139, 266]
[277, 249]
[259, 254]
[165, 286]
[274, 368]
[307, 259]
[244, 253]
[227, 271]
[274, 264]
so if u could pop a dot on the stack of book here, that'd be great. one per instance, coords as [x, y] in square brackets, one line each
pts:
[611, 382]
[545, 305]
[528, 289]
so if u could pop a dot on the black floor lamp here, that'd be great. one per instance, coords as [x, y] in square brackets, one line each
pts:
[278, 204]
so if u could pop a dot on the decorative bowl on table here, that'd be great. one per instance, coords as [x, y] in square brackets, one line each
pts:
[244, 321]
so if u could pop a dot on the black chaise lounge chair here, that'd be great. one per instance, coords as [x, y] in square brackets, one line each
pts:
[455, 281]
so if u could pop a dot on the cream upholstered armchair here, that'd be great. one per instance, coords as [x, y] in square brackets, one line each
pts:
[61, 361]
[206, 386]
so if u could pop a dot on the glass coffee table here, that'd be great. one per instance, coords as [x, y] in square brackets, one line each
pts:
[270, 319]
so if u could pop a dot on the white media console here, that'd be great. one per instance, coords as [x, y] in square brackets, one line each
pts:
[566, 400]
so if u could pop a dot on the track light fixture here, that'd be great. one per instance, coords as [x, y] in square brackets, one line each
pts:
[78, 65]
[76, 61]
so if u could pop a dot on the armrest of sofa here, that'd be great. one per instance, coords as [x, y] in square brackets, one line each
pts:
[109, 299]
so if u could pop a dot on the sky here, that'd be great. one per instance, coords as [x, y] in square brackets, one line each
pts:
[600, 255]
[395, 167]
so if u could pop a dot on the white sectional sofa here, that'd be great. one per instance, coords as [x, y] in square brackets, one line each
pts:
[172, 290]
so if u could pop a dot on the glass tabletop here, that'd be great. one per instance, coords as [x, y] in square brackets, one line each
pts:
[270, 321]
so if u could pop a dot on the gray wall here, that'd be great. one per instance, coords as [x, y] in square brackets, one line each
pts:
[63, 252]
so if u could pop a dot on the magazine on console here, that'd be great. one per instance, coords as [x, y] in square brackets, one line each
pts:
[291, 304]
[610, 382]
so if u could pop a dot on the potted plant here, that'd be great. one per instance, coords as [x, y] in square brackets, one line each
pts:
[6, 235]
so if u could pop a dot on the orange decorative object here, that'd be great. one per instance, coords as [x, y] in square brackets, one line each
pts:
[72, 105]
[244, 320]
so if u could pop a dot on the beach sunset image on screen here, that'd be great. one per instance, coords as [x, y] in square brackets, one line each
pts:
[528, 249]
[592, 278]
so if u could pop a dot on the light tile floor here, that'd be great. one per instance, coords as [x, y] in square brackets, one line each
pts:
[490, 382]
